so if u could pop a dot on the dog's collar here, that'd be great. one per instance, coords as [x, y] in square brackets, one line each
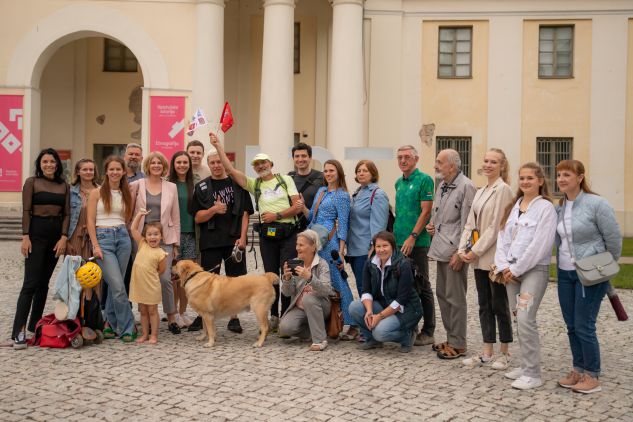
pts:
[192, 276]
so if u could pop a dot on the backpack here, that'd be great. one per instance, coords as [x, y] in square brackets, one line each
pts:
[391, 218]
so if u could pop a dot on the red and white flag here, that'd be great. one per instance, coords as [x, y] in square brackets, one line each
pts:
[197, 120]
[226, 120]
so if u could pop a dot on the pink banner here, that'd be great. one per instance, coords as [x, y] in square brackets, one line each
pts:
[11, 143]
[166, 133]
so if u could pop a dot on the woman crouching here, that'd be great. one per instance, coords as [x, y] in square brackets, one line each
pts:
[309, 287]
[389, 308]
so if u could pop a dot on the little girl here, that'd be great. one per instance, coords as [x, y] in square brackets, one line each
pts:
[145, 287]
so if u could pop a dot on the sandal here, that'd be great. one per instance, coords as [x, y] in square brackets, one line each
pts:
[128, 337]
[108, 333]
[439, 346]
[450, 352]
[347, 336]
[318, 347]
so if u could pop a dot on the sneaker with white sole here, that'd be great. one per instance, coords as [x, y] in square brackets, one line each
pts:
[501, 362]
[527, 383]
[587, 385]
[515, 374]
[570, 380]
[479, 360]
[19, 342]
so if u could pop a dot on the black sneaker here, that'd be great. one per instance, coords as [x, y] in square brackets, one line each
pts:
[173, 328]
[234, 325]
[196, 325]
[19, 342]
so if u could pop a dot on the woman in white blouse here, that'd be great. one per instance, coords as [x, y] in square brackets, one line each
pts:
[524, 248]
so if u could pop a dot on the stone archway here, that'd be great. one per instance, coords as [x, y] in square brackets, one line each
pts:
[68, 24]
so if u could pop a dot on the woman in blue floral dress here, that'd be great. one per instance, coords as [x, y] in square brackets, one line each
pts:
[330, 209]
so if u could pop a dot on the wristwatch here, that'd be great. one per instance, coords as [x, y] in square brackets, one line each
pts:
[414, 235]
[279, 216]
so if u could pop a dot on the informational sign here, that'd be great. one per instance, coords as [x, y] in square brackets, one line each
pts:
[167, 124]
[11, 112]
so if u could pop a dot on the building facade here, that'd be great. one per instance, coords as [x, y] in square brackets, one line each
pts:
[543, 80]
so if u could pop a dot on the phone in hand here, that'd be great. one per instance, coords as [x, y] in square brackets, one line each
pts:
[293, 264]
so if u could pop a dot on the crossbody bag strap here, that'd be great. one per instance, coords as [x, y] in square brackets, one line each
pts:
[316, 207]
[569, 244]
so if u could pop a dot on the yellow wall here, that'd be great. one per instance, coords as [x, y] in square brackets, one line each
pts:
[556, 107]
[628, 144]
[458, 107]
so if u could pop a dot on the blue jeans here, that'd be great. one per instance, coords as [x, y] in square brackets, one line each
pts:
[580, 306]
[358, 264]
[116, 248]
[388, 329]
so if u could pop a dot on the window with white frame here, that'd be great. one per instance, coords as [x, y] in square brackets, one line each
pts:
[461, 144]
[555, 51]
[550, 152]
[455, 52]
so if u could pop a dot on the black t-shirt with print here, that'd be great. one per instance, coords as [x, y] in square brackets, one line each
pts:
[221, 190]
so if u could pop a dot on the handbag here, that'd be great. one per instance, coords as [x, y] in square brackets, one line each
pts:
[335, 323]
[592, 269]
[50, 332]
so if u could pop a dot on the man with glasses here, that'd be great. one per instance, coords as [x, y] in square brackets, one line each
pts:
[221, 209]
[414, 201]
[278, 203]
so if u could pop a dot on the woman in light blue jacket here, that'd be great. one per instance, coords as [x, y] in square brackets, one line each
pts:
[586, 227]
[84, 181]
[368, 216]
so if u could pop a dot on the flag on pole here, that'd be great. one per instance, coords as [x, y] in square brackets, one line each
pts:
[226, 120]
[197, 120]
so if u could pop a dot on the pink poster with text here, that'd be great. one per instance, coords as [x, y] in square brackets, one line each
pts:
[166, 133]
[11, 143]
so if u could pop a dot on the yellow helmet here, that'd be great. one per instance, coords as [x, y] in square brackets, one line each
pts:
[88, 275]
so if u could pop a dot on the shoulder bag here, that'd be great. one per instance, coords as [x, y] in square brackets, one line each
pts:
[592, 269]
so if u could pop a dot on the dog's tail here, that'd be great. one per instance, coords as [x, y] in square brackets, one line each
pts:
[272, 278]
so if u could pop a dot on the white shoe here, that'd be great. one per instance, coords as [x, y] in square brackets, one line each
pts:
[527, 383]
[501, 362]
[515, 374]
[479, 360]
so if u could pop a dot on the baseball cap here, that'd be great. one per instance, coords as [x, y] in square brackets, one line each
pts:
[261, 157]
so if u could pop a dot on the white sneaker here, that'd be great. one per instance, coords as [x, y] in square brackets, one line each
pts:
[515, 374]
[479, 360]
[501, 362]
[527, 383]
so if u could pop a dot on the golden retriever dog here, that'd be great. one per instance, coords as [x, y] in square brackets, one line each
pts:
[215, 296]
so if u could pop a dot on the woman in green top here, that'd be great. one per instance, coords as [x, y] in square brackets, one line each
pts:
[181, 173]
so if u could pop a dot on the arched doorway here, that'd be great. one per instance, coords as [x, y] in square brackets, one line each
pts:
[91, 100]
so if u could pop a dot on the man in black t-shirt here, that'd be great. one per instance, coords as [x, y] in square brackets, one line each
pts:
[307, 180]
[221, 209]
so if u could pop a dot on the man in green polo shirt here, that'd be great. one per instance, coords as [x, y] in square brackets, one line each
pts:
[414, 201]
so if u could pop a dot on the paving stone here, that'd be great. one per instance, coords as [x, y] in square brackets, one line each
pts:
[179, 380]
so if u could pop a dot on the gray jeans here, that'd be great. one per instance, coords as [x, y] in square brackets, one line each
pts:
[532, 287]
[309, 321]
[451, 295]
[166, 286]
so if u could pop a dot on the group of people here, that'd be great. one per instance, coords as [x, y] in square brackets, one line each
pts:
[309, 225]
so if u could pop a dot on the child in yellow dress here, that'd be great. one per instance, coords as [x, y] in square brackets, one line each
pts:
[149, 263]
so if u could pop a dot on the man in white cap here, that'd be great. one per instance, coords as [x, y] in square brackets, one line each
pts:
[278, 203]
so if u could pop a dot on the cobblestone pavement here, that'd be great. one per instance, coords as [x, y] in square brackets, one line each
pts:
[179, 380]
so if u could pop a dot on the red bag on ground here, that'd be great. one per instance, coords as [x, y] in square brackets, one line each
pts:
[50, 332]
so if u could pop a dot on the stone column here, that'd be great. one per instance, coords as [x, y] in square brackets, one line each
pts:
[208, 77]
[345, 95]
[276, 107]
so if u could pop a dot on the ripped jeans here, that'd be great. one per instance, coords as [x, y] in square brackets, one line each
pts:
[524, 298]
